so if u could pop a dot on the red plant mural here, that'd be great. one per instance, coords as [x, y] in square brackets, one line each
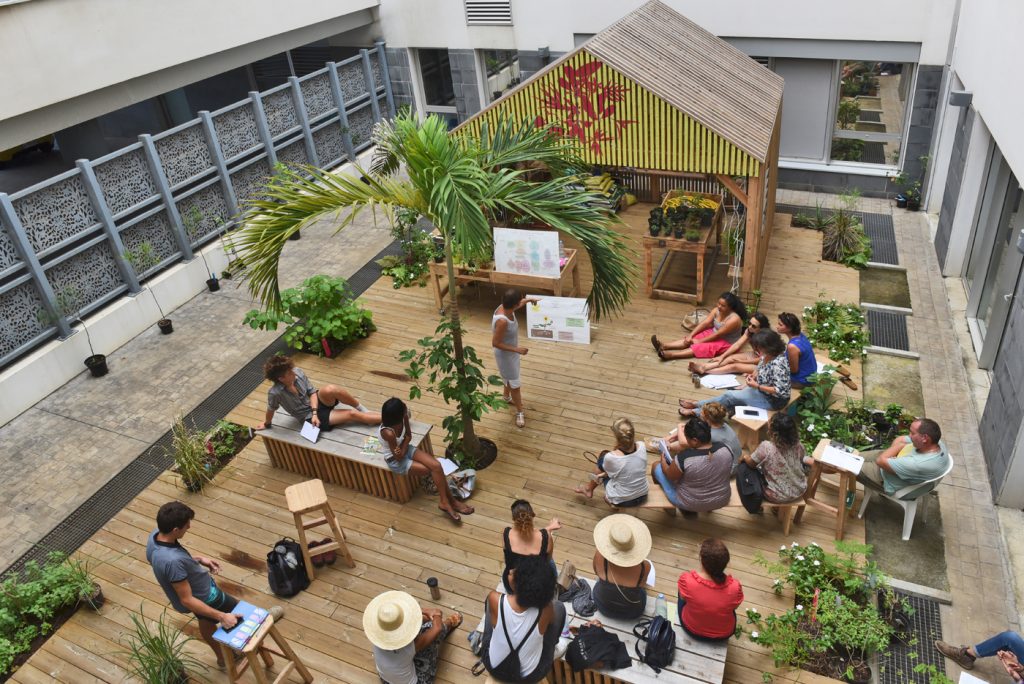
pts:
[580, 103]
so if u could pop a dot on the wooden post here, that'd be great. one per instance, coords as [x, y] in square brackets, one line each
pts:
[752, 244]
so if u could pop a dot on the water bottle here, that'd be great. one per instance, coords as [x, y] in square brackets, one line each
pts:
[660, 607]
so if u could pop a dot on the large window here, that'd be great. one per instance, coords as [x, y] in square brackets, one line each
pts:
[870, 112]
[501, 72]
[436, 77]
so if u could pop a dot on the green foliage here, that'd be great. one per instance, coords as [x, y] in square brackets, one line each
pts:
[225, 439]
[30, 602]
[188, 448]
[847, 149]
[802, 220]
[141, 259]
[836, 327]
[68, 303]
[159, 657]
[935, 676]
[844, 239]
[849, 113]
[418, 248]
[321, 308]
[467, 387]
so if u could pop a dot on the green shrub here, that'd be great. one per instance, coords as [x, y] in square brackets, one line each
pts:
[418, 249]
[844, 240]
[836, 327]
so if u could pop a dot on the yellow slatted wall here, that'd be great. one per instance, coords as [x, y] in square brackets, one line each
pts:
[617, 122]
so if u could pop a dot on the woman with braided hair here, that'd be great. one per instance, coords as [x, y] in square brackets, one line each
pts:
[523, 539]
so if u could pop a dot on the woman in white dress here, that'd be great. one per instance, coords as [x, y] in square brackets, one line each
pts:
[507, 352]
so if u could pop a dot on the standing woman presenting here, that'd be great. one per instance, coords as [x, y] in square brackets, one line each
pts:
[507, 352]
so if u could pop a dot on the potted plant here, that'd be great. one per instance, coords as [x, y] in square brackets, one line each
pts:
[159, 657]
[141, 259]
[80, 576]
[321, 316]
[193, 222]
[692, 235]
[188, 449]
[460, 183]
[68, 304]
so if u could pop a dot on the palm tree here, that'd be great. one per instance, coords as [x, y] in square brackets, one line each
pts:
[460, 183]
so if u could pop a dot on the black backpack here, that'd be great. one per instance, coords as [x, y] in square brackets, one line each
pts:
[750, 484]
[661, 642]
[286, 570]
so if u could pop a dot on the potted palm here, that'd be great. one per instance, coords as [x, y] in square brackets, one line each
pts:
[68, 304]
[459, 182]
[141, 259]
[159, 657]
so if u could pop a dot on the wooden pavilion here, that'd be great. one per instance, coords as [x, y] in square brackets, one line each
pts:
[663, 104]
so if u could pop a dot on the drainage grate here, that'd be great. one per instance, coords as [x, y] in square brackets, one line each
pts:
[896, 665]
[888, 329]
[875, 117]
[872, 153]
[878, 228]
[94, 513]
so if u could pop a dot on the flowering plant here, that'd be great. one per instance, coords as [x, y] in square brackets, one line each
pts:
[836, 327]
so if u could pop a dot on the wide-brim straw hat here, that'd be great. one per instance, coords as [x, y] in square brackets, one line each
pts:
[392, 620]
[622, 539]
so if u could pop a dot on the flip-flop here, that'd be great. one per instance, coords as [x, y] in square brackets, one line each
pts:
[661, 355]
[457, 623]
[468, 510]
[454, 515]
[655, 343]
[520, 420]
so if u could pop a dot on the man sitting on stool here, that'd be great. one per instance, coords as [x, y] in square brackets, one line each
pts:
[913, 458]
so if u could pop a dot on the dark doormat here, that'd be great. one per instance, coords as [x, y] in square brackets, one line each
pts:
[884, 286]
[922, 558]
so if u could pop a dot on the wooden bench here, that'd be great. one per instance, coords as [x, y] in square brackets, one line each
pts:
[695, 661]
[656, 499]
[337, 456]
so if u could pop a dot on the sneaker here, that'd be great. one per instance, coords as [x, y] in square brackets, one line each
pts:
[277, 612]
[958, 654]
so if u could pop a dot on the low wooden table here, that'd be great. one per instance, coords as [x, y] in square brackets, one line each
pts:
[847, 486]
[567, 283]
[337, 456]
[695, 661]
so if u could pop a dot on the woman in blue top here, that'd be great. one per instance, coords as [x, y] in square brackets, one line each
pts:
[802, 363]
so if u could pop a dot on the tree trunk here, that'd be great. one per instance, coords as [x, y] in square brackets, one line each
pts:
[470, 442]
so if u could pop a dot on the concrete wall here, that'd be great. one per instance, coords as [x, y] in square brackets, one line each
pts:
[924, 106]
[954, 181]
[466, 82]
[400, 70]
[67, 61]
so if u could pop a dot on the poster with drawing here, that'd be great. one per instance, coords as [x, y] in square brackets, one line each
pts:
[527, 252]
[558, 319]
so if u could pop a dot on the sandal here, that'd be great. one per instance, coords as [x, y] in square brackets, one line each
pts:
[848, 382]
[661, 355]
[655, 343]
[465, 510]
[520, 420]
[843, 370]
[453, 621]
[454, 515]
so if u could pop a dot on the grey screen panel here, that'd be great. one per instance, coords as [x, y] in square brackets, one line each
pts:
[805, 107]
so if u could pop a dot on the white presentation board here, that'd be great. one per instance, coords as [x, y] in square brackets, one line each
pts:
[528, 252]
[559, 319]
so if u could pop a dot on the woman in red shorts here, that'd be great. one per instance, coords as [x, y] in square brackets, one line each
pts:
[715, 334]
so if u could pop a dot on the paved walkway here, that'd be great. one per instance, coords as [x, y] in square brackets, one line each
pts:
[63, 449]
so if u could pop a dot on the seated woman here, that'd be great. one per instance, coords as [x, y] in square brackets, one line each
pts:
[768, 387]
[780, 459]
[523, 540]
[396, 435]
[799, 351]
[622, 544]
[293, 391]
[722, 434]
[623, 470]
[708, 598]
[716, 333]
[733, 360]
[521, 629]
[405, 638]
[696, 477]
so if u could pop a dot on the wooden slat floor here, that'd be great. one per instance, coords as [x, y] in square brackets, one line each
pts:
[572, 394]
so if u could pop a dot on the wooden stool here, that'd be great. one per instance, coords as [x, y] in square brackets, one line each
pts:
[310, 497]
[236, 668]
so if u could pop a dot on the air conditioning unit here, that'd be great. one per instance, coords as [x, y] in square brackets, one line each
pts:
[488, 12]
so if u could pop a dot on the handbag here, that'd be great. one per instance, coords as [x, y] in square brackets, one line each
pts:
[750, 485]
[692, 319]
[566, 575]
[461, 483]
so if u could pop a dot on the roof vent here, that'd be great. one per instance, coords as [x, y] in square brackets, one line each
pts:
[488, 12]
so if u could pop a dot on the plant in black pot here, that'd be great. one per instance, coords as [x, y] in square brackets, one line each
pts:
[321, 315]
[68, 303]
[191, 458]
[159, 655]
[692, 235]
[142, 259]
[195, 224]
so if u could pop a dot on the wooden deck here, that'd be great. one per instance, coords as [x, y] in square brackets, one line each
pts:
[572, 395]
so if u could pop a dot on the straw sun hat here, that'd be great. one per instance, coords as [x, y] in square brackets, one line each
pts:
[622, 539]
[392, 620]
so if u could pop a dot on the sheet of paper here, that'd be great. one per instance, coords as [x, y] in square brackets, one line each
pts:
[842, 459]
[448, 466]
[652, 575]
[558, 319]
[719, 381]
[966, 678]
[310, 431]
[752, 412]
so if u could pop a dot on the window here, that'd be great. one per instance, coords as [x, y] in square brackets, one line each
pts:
[436, 78]
[870, 112]
[501, 71]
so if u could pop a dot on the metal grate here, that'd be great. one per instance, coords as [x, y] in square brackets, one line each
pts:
[98, 509]
[873, 153]
[888, 329]
[874, 117]
[896, 665]
[878, 228]
[488, 12]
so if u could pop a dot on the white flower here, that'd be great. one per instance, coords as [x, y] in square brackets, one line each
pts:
[814, 543]
[794, 545]
[817, 563]
[782, 548]
[799, 607]
[800, 558]
[754, 611]
[753, 635]
[810, 428]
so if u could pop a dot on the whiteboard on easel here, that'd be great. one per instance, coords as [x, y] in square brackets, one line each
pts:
[558, 319]
[526, 252]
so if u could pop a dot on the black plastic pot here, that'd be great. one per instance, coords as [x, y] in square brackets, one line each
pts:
[296, 235]
[213, 284]
[913, 204]
[166, 327]
[97, 365]
[490, 453]
[678, 233]
[901, 202]
[95, 600]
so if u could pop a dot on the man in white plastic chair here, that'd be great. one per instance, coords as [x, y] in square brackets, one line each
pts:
[917, 457]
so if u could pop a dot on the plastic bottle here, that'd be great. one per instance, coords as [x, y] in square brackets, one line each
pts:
[660, 607]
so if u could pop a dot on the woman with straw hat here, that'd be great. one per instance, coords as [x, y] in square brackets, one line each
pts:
[405, 638]
[622, 544]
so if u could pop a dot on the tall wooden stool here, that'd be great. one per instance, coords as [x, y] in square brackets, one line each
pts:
[306, 498]
[236, 668]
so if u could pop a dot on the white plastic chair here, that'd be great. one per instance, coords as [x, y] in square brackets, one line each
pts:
[909, 506]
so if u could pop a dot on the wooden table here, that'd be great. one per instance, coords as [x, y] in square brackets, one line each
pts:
[702, 248]
[696, 662]
[567, 283]
[847, 489]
